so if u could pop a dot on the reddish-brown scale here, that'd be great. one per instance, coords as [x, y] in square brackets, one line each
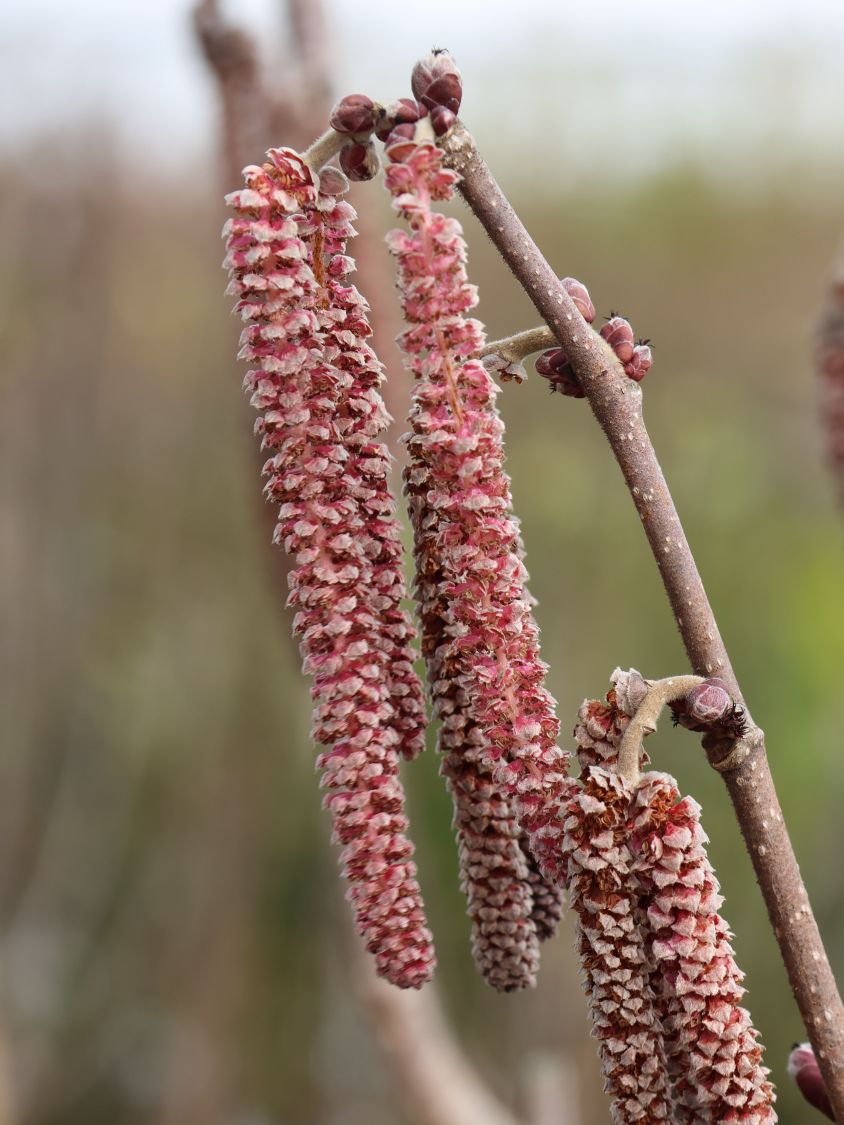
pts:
[359, 161]
[437, 81]
[580, 295]
[619, 335]
[356, 113]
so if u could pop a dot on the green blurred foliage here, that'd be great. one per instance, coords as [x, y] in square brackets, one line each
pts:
[174, 935]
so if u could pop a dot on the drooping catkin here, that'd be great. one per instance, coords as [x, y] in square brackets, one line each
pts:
[714, 1059]
[613, 956]
[712, 1055]
[314, 382]
[485, 654]
[494, 873]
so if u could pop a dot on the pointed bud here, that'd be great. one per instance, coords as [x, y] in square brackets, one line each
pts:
[554, 366]
[580, 295]
[404, 111]
[709, 709]
[359, 161]
[437, 81]
[641, 363]
[709, 702]
[356, 113]
[442, 119]
[803, 1068]
[619, 335]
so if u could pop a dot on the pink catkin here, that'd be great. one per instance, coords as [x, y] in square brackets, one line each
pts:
[616, 972]
[495, 871]
[314, 382]
[484, 652]
[713, 1055]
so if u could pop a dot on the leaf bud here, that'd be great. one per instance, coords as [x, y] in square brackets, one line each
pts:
[442, 119]
[554, 366]
[404, 111]
[640, 364]
[619, 335]
[580, 295]
[437, 81]
[356, 113]
[359, 161]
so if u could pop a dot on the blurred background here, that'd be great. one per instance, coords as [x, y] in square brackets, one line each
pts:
[173, 941]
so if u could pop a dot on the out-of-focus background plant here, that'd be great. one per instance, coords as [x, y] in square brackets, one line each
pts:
[174, 947]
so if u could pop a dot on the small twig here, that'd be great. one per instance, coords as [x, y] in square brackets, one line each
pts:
[515, 348]
[616, 402]
[317, 154]
[644, 721]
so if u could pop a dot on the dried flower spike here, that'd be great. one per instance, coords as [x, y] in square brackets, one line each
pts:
[714, 1060]
[314, 382]
[616, 975]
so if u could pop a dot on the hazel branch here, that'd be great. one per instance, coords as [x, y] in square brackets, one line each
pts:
[616, 402]
[516, 348]
[323, 149]
[660, 692]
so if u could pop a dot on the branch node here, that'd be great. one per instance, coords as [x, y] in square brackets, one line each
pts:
[645, 720]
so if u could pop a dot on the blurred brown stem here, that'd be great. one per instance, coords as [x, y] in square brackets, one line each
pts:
[439, 1085]
[616, 402]
[830, 362]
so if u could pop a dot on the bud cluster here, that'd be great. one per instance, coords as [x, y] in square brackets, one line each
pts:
[636, 358]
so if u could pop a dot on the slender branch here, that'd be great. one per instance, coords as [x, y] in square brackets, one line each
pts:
[317, 155]
[616, 402]
[644, 721]
[515, 348]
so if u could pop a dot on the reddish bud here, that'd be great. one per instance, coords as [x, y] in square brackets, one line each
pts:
[356, 113]
[619, 335]
[554, 366]
[709, 709]
[359, 161]
[332, 181]
[442, 119]
[580, 295]
[400, 143]
[402, 112]
[437, 81]
[803, 1068]
[709, 702]
[640, 364]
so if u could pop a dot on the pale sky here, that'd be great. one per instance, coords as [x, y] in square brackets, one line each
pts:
[649, 75]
